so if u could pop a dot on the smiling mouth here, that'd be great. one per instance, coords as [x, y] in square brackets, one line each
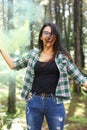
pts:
[49, 40]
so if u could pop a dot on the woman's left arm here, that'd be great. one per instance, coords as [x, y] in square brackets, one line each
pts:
[76, 74]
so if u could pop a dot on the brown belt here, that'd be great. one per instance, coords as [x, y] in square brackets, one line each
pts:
[44, 95]
[50, 95]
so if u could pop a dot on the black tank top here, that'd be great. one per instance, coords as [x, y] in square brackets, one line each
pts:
[46, 77]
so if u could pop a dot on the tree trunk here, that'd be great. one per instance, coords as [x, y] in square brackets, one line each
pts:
[3, 15]
[10, 15]
[32, 36]
[12, 97]
[47, 12]
[69, 26]
[58, 15]
[81, 39]
[77, 37]
[50, 10]
[64, 22]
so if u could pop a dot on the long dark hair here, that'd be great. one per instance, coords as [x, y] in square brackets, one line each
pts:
[57, 47]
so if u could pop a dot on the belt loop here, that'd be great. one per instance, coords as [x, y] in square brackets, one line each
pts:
[52, 95]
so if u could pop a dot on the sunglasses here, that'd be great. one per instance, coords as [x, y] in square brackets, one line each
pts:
[47, 34]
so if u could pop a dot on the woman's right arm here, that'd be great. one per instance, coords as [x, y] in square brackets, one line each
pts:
[7, 58]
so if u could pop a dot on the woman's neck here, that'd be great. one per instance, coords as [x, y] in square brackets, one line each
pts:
[48, 51]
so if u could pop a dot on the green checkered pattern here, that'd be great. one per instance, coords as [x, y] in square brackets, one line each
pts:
[65, 65]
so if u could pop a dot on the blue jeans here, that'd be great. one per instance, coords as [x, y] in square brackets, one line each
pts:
[38, 107]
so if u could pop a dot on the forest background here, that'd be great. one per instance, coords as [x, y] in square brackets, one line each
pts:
[20, 23]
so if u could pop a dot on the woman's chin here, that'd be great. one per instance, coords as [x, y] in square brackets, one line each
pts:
[49, 44]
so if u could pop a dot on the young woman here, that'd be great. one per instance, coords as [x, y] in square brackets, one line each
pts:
[46, 83]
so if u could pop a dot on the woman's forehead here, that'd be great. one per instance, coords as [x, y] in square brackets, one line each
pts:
[48, 28]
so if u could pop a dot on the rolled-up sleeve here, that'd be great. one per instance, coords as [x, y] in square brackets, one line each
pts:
[21, 62]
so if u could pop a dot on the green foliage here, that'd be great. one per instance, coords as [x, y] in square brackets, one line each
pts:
[15, 40]
[80, 120]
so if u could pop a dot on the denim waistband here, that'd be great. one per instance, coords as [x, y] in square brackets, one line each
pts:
[49, 95]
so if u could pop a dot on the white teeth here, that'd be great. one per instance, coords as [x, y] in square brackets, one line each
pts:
[48, 40]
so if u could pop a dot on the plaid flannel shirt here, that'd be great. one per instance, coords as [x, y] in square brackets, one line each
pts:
[65, 65]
